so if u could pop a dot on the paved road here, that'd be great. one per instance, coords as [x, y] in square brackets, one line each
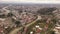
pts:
[17, 29]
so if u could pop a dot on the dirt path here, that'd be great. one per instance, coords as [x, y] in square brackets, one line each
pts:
[15, 30]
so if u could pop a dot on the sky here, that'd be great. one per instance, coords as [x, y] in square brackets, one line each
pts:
[32, 1]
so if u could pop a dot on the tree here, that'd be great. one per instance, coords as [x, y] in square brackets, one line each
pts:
[17, 23]
[10, 14]
[52, 32]
[46, 11]
[2, 16]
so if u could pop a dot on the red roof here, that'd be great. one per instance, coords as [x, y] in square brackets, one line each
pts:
[38, 31]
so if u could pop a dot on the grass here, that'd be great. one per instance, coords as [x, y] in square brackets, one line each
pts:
[48, 31]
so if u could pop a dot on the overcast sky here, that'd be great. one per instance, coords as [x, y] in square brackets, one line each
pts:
[32, 1]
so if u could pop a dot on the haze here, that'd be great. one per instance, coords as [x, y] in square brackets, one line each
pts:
[31, 1]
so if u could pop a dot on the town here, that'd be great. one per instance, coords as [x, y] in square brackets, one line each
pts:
[22, 19]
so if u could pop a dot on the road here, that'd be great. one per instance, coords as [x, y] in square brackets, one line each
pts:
[17, 29]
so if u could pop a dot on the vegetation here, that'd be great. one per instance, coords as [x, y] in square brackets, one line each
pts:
[2, 16]
[46, 11]
[42, 24]
[10, 14]
[17, 23]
